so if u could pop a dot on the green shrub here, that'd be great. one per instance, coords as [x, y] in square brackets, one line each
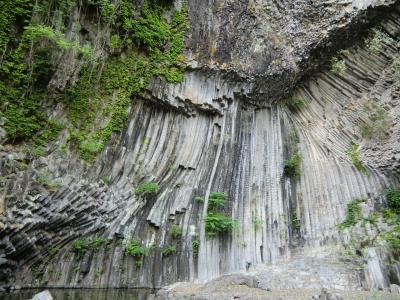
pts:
[176, 231]
[115, 42]
[354, 152]
[135, 249]
[378, 123]
[216, 200]
[168, 250]
[295, 103]
[292, 165]
[296, 223]
[147, 189]
[393, 236]
[354, 214]
[393, 199]
[375, 44]
[45, 179]
[338, 66]
[218, 224]
[196, 245]
[80, 246]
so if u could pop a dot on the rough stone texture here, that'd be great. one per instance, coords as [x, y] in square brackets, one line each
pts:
[219, 130]
[45, 295]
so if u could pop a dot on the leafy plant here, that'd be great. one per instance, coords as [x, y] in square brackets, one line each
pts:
[375, 44]
[393, 236]
[176, 231]
[295, 103]
[80, 246]
[354, 213]
[134, 247]
[354, 152]
[296, 223]
[378, 123]
[45, 179]
[216, 200]
[292, 165]
[169, 250]
[195, 245]
[218, 224]
[338, 66]
[393, 199]
[147, 189]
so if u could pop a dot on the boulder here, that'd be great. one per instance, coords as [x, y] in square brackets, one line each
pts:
[45, 295]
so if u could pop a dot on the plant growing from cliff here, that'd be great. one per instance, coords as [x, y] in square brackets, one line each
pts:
[195, 246]
[147, 189]
[44, 178]
[176, 231]
[218, 224]
[24, 74]
[80, 246]
[216, 200]
[37, 32]
[376, 43]
[292, 165]
[295, 103]
[354, 153]
[393, 236]
[338, 66]
[169, 250]
[393, 199]
[134, 248]
[353, 214]
[296, 223]
[378, 122]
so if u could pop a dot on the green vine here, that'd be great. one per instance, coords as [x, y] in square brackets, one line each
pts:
[97, 106]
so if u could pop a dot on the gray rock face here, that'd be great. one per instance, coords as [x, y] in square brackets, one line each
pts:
[221, 129]
[45, 295]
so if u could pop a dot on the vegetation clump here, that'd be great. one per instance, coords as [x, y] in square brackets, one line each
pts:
[196, 246]
[146, 189]
[354, 213]
[44, 178]
[393, 199]
[169, 250]
[295, 103]
[378, 123]
[216, 200]
[292, 165]
[296, 223]
[216, 223]
[80, 246]
[376, 42]
[338, 66]
[98, 104]
[134, 248]
[176, 231]
[354, 153]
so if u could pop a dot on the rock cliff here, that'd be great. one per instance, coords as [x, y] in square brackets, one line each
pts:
[287, 112]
